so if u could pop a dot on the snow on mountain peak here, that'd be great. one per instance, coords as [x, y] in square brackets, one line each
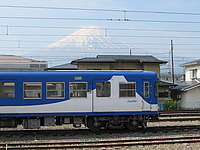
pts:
[87, 37]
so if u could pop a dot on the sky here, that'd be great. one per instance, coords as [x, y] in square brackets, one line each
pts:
[27, 27]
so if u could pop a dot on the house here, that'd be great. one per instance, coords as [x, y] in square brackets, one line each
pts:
[18, 63]
[120, 62]
[189, 91]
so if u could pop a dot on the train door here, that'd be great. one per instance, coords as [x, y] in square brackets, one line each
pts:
[147, 95]
[102, 97]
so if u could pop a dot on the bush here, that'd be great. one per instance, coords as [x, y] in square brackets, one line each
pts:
[171, 104]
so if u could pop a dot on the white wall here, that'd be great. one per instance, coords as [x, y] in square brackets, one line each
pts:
[187, 72]
[190, 99]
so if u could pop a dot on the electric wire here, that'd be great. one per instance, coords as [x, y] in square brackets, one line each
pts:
[105, 28]
[100, 19]
[98, 9]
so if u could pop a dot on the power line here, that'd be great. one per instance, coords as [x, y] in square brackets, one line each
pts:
[127, 36]
[120, 29]
[104, 43]
[96, 48]
[100, 19]
[98, 9]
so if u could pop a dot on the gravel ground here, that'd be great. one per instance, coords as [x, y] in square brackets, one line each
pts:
[106, 136]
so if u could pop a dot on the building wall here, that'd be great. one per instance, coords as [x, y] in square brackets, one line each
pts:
[120, 66]
[190, 99]
[32, 66]
[126, 66]
[93, 66]
[188, 74]
[152, 67]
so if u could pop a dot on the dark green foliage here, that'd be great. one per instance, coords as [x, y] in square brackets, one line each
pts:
[171, 104]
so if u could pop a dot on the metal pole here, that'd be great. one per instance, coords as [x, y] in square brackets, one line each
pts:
[172, 55]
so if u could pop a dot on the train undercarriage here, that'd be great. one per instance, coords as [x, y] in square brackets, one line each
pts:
[94, 123]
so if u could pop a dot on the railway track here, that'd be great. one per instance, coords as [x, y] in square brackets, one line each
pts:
[64, 132]
[178, 115]
[178, 111]
[100, 143]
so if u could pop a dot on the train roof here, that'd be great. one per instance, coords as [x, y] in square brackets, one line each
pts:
[75, 72]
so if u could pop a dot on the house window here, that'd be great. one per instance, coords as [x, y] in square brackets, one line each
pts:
[32, 90]
[7, 89]
[127, 89]
[78, 89]
[103, 89]
[55, 90]
[193, 74]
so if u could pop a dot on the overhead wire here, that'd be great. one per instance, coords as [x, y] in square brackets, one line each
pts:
[100, 19]
[98, 9]
[104, 43]
[105, 19]
[105, 28]
[127, 36]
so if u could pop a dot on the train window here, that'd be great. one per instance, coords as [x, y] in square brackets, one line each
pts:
[32, 90]
[7, 89]
[55, 90]
[78, 89]
[127, 89]
[146, 89]
[103, 89]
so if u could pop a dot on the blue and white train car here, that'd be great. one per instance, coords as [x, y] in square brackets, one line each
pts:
[97, 99]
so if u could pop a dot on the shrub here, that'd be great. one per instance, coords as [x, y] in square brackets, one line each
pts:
[171, 104]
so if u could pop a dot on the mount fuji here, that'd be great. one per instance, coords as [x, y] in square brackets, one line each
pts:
[88, 37]
[89, 41]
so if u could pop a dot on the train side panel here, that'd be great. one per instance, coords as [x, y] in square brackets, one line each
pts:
[78, 97]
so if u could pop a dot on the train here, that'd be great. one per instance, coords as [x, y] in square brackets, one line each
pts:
[96, 99]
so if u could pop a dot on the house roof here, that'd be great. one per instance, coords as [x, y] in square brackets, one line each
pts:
[191, 63]
[119, 58]
[165, 83]
[186, 86]
[14, 59]
[67, 66]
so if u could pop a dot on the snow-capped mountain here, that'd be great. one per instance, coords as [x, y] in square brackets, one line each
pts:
[88, 41]
[88, 37]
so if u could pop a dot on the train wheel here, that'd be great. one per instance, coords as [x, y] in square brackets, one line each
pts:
[93, 125]
[132, 125]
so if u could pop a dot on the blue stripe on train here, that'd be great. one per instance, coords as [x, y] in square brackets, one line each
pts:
[78, 114]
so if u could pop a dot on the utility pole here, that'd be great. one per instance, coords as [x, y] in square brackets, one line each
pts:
[172, 56]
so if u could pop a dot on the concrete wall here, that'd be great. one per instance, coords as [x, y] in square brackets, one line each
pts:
[190, 99]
